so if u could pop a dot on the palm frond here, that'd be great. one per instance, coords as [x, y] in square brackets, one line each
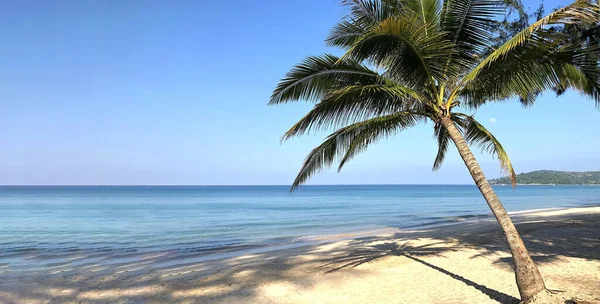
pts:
[346, 142]
[581, 72]
[363, 16]
[406, 48]
[545, 63]
[366, 10]
[356, 103]
[476, 134]
[372, 10]
[312, 78]
[580, 11]
[345, 33]
[583, 81]
[428, 10]
[469, 24]
[379, 128]
[443, 139]
[522, 74]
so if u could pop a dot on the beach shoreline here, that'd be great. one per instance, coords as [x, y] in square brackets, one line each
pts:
[439, 264]
[62, 221]
[219, 253]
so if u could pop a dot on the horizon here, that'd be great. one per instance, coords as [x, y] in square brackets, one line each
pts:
[312, 185]
[289, 185]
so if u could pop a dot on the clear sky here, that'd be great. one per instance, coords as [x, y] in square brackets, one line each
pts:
[176, 92]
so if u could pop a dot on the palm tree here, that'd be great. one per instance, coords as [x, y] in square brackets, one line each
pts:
[410, 61]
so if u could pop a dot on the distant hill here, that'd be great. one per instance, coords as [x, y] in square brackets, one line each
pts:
[553, 177]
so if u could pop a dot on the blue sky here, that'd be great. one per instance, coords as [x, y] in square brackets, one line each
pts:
[176, 92]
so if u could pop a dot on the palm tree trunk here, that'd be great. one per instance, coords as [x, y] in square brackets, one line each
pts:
[529, 279]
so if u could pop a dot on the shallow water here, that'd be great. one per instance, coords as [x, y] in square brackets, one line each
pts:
[56, 221]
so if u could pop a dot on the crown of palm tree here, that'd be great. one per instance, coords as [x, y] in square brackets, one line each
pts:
[409, 61]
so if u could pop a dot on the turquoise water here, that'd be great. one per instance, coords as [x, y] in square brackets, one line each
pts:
[207, 218]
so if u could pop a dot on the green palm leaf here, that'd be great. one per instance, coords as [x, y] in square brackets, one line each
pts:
[469, 24]
[443, 139]
[363, 16]
[355, 103]
[311, 79]
[522, 73]
[345, 33]
[544, 63]
[346, 142]
[476, 134]
[580, 11]
[581, 72]
[410, 51]
[367, 11]
[428, 10]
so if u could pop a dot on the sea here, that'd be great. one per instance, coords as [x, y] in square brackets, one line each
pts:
[208, 219]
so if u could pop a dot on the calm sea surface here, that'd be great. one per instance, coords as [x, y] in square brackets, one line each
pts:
[207, 218]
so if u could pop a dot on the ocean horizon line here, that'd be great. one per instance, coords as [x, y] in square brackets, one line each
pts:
[227, 185]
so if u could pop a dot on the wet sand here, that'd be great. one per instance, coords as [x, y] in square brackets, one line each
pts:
[462, 263]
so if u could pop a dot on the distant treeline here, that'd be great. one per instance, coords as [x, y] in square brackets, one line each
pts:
[554, 177]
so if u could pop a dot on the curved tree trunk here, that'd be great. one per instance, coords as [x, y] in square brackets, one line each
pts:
[529, 279]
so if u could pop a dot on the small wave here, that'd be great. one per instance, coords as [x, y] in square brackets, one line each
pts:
[446, 220]
[533, 210]
[313, 237]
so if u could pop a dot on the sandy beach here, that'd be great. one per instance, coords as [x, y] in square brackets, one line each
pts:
[463, 263]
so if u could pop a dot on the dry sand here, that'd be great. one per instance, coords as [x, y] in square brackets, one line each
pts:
[463, 263]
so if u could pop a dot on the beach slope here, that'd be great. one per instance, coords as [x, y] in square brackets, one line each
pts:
[462, 263]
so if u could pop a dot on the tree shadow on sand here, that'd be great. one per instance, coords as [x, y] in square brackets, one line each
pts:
[237, 280]
[373, 253]
[547, 241]
[573, 236]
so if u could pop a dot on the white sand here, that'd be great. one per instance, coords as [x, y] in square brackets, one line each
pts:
[464, 263]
